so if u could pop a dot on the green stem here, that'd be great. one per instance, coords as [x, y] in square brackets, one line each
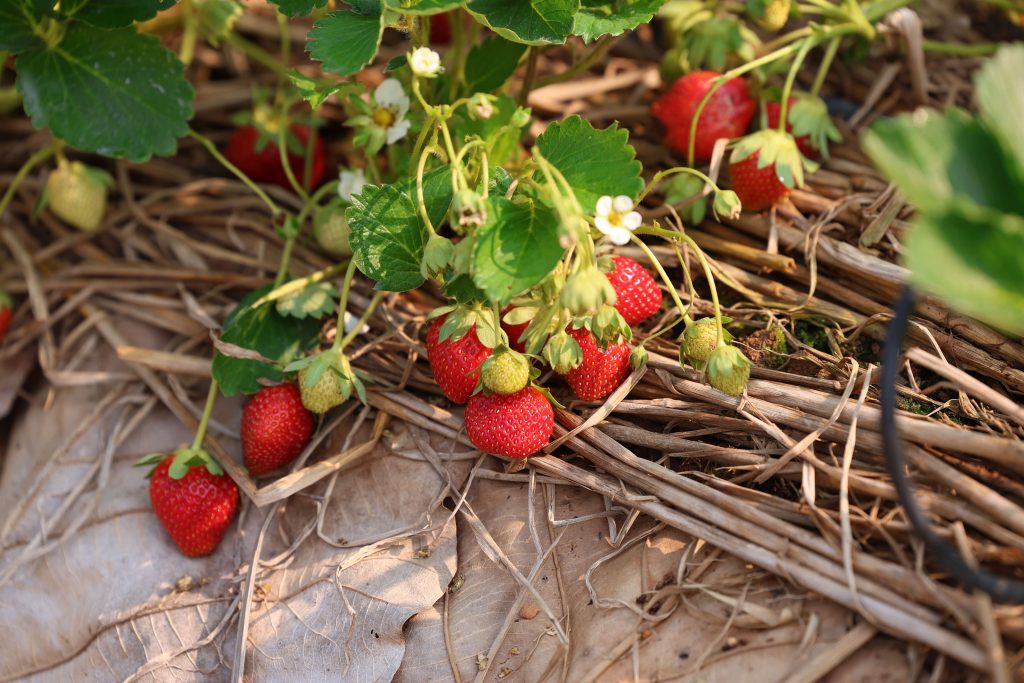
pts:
[374, 168]
[215, 153]
[661, 175]
[286, 257]
[204, 421]
[579, 67]
[661, 272]
[282, 150]
[787, 89]
[420, 201]
[314, 200]
[39, 156]
[255, 53]
[975, 50]
[531, 74]
[346, 286]
[374, 302]
[299, 284]
[189, 33]
[826, 64]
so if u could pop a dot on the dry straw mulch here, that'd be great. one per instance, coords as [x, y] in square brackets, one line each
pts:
[788, 479]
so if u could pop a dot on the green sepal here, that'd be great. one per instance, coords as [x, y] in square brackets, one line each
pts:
[562, 352]
[549, 396]
[186, 458]
[775, 147]
[457, 324]
[809, 117]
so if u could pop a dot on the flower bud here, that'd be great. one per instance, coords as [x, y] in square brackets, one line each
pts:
[728, 370]
[470, 208]
[587, 290]
[424, 62]
[638, 357]
[562, 353]
[436, 256]
[481, 106]
[609, 327]
[727, 204]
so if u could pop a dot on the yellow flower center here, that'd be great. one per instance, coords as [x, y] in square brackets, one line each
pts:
[614, 218]
[383, 117]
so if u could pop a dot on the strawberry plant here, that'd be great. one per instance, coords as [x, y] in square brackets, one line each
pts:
[444, 188]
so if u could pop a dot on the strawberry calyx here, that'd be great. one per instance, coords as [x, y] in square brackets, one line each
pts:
[808, 117]
[184, 459]
[327, 379]
[461, 318]
[562, 352]
[778, 148]
[607, 325]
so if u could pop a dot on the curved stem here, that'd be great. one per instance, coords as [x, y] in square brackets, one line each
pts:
[282, 150]
[33, 161]
[204, 420]
[286, 258]
[255, 53]
[787, 89]
[826, 64]
[346, 286]
[374, 302]
[579, 67]
[661, 272]
[215, 153]
[420, 201]
[661, 175]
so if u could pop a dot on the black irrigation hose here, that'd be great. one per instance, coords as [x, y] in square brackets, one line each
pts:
[1000, 588]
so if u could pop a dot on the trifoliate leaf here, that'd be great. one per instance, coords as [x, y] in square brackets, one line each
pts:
[534, 22]
[598, 18]
[490, 63]
[594, 162]
[345, 41]
[114, 92]
[298, 8]
[313, 301]
[19, 19]
[106, 14]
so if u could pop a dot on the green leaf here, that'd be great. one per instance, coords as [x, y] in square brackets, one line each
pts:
[18, 17]
[534, 22]
[115, 92]
[490, 63]
[598, 18]
[933, 156]
[345, 41]
[710, 43]
[462, 289]
[515, 249]
[422, 7]
[312, 301]
[298, 8]
[267, 332]
[106, 14]
[594, 162]
[388, 234]
[973, 258]
[1000, 93]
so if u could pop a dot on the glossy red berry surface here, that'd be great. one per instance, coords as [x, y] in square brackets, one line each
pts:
[275, 428]
[455, 364]
[196, 509]
[516, 425]
[601, 372]
[726, 115]
[637, 295]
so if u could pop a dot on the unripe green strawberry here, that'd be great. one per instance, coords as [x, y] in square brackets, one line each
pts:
[330, 228]
[506, 372]
[776, 13]
[728, 370]
[323, 394]
[77, 194]
[699, 339]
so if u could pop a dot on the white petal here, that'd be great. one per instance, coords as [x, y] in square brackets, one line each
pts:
[425, 62]
[604, 206]
[349, 324]
[622, 204]
[603, 225]
[619, 236]
[390, 94]
[632, 220]
[350, 182]
[397, 131]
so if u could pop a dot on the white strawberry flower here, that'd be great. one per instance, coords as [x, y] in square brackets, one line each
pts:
[350, 182]
[424, 62]
[391, 106]
[349, 323]
[616, 218]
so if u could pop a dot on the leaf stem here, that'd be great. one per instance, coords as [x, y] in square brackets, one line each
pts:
[603, 44]
[34, 160]
[661, 272]
[255, 53]
[826, 64]
[661, 175]
[787, 88]
[215, 153]
[204, 420]
[531, 74]
[374, 302]
[346, 286]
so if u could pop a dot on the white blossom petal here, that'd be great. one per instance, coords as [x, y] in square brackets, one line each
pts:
[391, 95]
[602, 224]
[622, 204]
[350, 182]
[619, 236]
[349, 323]
[604, 206]
[632, 220]
[397, 131]
[424, 62]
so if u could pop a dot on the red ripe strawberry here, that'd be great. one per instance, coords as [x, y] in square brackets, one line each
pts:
[727, 114]
[516, 425]
[757, 188]
[455, 364]
[264, 165]
[774, 110]
[601, 372]
[5, 314]
[275, 428]
[441, 29]
[637, 296]
[196, 509]
[514, 332]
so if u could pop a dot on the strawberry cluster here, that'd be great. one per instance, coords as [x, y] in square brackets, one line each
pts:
[506, 413]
